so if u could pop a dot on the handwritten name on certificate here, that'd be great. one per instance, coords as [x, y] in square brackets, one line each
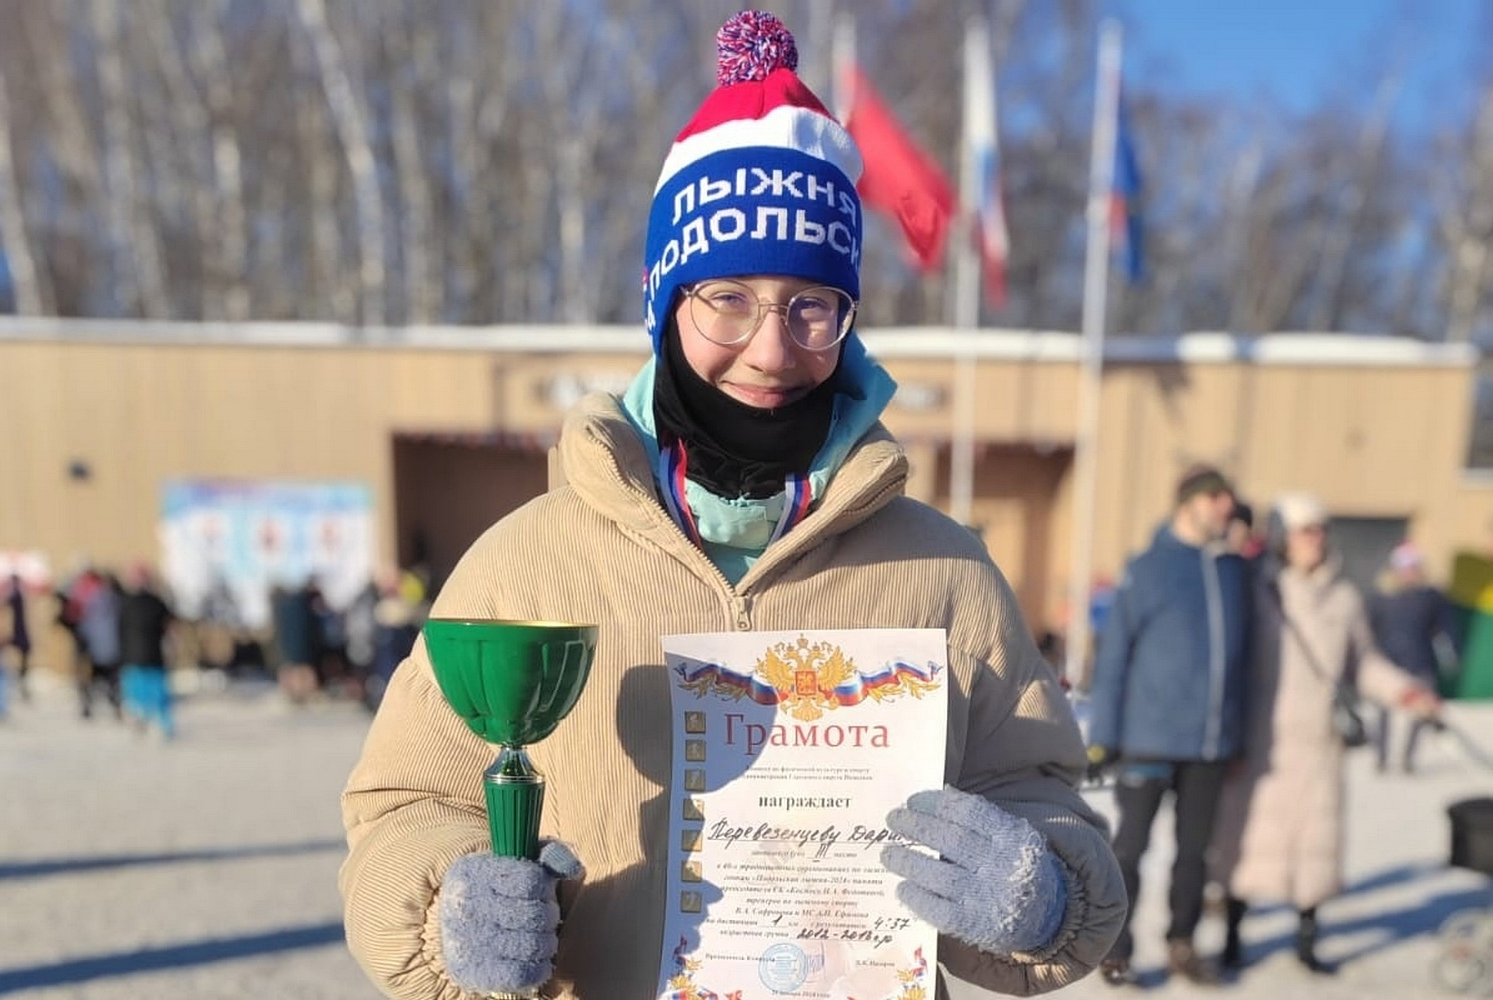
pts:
[790, 748]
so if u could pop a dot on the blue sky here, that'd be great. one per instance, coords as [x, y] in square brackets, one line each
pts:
[1298, 53]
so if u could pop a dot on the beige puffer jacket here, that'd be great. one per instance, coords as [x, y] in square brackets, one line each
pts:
[1279, 834]
[602, 549]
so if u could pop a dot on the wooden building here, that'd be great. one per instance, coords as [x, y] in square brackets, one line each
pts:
[449, 427]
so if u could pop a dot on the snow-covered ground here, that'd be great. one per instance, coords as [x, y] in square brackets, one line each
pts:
[206, 868]
[1384, 929]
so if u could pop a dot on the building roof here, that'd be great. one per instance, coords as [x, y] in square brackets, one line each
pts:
[890, 342]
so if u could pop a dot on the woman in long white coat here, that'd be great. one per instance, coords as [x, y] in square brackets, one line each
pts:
[1279, 833]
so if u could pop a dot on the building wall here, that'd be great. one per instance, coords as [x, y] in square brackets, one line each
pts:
[1374, 439]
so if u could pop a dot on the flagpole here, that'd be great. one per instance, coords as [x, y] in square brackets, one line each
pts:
[1095, 287]
[842, 57]
[967, 285]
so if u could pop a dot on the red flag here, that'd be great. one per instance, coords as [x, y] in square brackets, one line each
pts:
[898, 178]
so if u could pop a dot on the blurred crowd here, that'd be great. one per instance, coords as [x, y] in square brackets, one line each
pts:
[117, 637]
[350, 651]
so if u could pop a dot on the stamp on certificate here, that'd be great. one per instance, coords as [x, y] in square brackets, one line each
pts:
[694, 810]
[694, 750]
[694, 779]
[691, 871]
[690, 901]
[691, 840]
[783, 967]
[694, 722]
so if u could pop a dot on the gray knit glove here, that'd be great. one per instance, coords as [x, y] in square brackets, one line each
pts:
[995, 885]
[500, 919]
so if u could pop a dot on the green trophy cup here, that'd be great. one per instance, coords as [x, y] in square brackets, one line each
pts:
[512, 682]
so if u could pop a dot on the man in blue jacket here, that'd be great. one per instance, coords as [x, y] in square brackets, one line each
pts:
[1167, 702]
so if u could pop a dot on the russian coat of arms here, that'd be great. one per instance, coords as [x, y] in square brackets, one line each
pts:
[809, 678]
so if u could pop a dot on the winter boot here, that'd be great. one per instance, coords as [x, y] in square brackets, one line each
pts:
[1118, 972]
[1306, 945]
[1232, 957]
[1183, 960]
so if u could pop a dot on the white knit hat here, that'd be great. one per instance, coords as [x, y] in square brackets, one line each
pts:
[1300, 510]
[1406, 556]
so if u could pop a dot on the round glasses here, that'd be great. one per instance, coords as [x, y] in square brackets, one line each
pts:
[728, 312]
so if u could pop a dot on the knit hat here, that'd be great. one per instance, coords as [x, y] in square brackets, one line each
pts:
[1300, 510]
[1406, 556]
[761, 181]
[1202, 479]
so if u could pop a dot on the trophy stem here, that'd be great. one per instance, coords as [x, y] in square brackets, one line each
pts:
[515, 798]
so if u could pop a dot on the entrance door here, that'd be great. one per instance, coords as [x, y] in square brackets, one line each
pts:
[1364, 544]
[448, 491]
[1015, 493]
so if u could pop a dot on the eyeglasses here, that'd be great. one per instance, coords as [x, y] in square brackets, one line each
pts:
[728, 313]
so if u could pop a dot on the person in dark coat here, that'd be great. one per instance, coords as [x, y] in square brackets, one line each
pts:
[1411, 620]
[97, 631]
[20, 635]
[1242, 536]
[144, 623]
[1167, 703]
[297, 639]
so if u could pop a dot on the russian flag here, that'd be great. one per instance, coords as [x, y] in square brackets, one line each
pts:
[982, 146]
[1126, 230]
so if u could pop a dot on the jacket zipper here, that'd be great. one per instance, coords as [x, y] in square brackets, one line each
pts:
[1213, 590]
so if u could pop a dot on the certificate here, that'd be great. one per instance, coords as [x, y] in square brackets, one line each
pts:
[790, 750]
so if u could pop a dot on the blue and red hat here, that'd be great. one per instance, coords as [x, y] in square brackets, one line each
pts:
[761, 181]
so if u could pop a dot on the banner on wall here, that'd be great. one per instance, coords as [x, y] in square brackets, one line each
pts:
[244, 537]
[30, 566]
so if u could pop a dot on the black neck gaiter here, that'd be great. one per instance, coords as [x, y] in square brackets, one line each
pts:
[736, 450]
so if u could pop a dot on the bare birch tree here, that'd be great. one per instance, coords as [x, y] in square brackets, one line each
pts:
[350, 122]
[487, 65]
[187, 122]
[82, 206]
[229, 288]
[33, 293]
[413, 51]
[1346, 222]
[310, 157]
[127, 194]
[471, 161]
[1464, 203]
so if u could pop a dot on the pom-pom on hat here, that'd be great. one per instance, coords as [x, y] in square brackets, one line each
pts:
[761, 180]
